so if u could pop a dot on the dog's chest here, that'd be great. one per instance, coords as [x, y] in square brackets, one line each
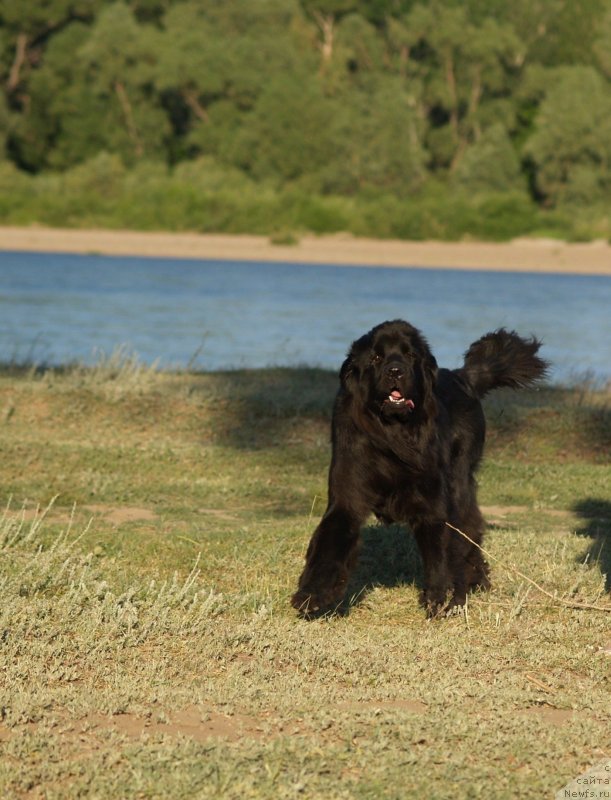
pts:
[401, 497]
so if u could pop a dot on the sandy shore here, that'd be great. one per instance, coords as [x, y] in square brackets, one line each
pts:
[523, 255]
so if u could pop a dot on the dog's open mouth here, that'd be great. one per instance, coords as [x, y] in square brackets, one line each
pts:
[397, 399]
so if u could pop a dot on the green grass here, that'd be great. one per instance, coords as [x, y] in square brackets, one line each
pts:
[154, 529]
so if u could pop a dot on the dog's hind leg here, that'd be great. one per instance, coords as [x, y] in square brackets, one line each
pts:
[467, 564]
[433, 543]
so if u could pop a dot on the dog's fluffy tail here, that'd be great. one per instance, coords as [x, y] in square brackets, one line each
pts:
[503, 358]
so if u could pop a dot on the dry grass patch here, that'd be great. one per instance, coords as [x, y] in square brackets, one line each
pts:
[146, 641]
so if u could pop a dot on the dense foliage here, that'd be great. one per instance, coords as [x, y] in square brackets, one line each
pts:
[387, 117]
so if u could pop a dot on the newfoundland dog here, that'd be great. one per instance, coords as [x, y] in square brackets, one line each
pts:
[407, 439]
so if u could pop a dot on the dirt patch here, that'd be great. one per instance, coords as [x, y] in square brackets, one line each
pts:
[121, 515]
[503, 511]
[496, 514]
[31, 514]
[412, 706]
[115, 515]
[197, 723]
[553, 716]
[220, 513]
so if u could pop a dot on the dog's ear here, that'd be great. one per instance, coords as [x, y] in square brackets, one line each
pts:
[430, 368]
[429, 372]
[427, 363]
[348, 374]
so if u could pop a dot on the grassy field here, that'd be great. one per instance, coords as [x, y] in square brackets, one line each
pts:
[154, 528]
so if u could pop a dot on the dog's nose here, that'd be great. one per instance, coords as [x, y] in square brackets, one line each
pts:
[394, 371]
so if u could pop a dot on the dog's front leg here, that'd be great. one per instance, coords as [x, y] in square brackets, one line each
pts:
[329, 560]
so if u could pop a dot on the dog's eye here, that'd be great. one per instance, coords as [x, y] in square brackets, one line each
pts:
[375, 358]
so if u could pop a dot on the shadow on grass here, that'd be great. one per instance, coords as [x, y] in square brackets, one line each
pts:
[259, 409]
[388, 557]
[595, 514]
[566, 421]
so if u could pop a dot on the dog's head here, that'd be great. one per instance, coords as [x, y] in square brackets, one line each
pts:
[392, 371]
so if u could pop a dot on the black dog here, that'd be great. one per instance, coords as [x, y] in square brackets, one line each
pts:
[407, 439]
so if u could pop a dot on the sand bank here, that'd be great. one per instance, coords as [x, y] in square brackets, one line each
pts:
[523, 255]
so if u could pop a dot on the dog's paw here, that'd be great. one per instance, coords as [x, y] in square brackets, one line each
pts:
[481, 584]
[313, 604]
[434, 608]
[454, 609]
[312, 601]
[306, 603]
[434, 603]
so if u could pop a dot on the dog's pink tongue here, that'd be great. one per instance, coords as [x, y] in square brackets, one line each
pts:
[396, 394]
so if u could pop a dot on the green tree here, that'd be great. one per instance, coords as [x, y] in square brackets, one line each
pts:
[93, 91]
[570, 32]
[4, 123]
[214, 60]
[571, 146]
[121, 111]
[326, 14]
[25, 28]
[367, 98]
[490, 164]
[118, 63]
[602, 45]
[551, 32]
[359, 52]
[462, 66]
[288, 134]
[377, 141]
[52, 99]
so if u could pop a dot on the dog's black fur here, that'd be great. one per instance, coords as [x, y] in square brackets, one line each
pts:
[407, 439]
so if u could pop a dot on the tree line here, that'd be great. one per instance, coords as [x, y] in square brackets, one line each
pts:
[386, 117]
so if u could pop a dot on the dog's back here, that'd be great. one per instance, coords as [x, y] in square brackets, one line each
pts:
[464, 415]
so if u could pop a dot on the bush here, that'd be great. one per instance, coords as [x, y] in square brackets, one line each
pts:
[208, 197]
[490, 164]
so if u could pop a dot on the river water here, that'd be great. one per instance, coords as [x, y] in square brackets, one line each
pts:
[57, 308]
